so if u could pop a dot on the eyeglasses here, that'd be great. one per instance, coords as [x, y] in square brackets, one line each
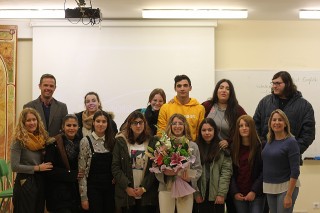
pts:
[276, 83]
[136, 123]
[177, 124]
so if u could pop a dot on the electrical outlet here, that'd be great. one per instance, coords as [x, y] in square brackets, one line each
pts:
[316, 205]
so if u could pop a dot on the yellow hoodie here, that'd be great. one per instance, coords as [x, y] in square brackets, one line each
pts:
[193, 111]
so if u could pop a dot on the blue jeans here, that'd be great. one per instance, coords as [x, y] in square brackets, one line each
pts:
[255, 206]
[275, 201]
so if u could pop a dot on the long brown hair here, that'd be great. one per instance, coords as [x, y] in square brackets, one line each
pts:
[254, 140]
[109, 132]
[231, 113]
[129, 133]
[214, 148]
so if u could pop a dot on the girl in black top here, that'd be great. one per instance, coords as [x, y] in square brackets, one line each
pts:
[156, 99]
[95, 157]
[62, 191]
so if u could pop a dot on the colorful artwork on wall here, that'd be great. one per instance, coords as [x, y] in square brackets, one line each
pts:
[8, 67]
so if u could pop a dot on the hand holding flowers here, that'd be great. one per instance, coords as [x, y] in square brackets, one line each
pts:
[170, 154]
[173, 157]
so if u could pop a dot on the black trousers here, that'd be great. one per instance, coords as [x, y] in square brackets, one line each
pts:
[208, 207]
[101, 198]
[230, 205]
[28, 193]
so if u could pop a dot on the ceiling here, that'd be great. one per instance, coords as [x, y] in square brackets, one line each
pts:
[131, 9]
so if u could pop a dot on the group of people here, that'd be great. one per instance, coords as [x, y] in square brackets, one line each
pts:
[70, 163]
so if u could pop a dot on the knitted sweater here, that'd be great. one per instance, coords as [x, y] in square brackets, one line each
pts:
[281, 161]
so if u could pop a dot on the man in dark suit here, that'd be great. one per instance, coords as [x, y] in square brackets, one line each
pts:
[50, 110]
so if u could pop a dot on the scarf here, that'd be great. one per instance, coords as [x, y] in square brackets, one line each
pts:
[35, 142]
[87, 120]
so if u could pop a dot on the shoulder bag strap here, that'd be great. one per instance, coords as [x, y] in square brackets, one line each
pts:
[90, 144]
[62, 151]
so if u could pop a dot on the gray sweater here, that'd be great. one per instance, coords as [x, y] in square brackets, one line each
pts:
[23, 160]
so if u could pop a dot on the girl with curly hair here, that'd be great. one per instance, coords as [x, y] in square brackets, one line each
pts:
[27, 152]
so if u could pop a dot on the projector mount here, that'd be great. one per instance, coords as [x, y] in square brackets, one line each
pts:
[87, 15]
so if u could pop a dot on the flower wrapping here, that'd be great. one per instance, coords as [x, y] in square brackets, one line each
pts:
[181, 188]
[173, 153]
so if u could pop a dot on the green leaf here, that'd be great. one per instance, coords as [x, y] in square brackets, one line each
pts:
[150, 149]
[183, 152]
[166, 160]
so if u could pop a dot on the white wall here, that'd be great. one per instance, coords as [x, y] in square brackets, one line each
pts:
[268, 45]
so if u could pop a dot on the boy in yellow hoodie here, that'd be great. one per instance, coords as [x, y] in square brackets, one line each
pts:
[182, 104]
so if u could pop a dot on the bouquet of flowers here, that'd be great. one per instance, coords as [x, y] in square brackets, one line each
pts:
[173, 154]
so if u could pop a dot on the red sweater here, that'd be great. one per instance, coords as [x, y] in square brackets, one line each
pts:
[243, 180]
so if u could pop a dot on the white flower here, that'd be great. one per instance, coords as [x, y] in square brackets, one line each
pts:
[168, 144]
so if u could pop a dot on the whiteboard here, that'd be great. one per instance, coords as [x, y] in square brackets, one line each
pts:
[251, 86]
[122, 64]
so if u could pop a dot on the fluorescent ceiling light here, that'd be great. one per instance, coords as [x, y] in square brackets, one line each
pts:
[31, 13]
[194, 14]
[309, 14]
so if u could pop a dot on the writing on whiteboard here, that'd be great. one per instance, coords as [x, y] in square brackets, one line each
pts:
[305, 80]
[264, 88]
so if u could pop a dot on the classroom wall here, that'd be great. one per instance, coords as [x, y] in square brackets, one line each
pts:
[24, 73]
[267, 45]
[242, 45]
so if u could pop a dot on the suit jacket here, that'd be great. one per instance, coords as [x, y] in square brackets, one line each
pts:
[58, 111]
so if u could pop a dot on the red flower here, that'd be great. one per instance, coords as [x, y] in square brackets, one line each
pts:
[159, 160]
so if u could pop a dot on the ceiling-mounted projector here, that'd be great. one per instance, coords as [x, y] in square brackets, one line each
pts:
[83, 12]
